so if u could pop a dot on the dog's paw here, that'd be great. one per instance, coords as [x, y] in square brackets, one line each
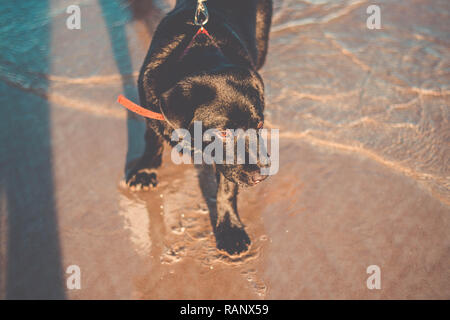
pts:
[232, 239]
[143, 179]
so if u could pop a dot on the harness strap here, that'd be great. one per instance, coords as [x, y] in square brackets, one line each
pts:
[200, 31]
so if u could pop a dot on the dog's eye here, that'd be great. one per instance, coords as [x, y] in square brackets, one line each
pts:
[260, 125]
[224, 133]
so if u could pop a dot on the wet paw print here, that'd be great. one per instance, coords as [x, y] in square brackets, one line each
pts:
[173, 254]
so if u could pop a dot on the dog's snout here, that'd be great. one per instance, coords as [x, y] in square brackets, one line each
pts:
[257, 177]
[264, 162]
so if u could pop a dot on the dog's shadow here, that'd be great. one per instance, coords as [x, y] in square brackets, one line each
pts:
[116, 14]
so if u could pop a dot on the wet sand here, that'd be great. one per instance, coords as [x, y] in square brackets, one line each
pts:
[364, 162]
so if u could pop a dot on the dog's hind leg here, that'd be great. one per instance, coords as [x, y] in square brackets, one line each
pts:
[228, 228]
[141, 173]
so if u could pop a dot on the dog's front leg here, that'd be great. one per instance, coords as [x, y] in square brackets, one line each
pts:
[141, 174]
[228, 228]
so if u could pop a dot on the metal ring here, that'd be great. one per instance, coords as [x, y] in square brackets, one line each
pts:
[201, 9]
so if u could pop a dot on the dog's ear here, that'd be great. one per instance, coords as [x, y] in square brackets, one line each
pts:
[179, 103]
[175, 109]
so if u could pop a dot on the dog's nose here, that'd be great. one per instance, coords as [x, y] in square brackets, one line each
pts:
[257, 177]
[264, 162]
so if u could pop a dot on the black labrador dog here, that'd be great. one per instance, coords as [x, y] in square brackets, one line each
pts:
[209, 78]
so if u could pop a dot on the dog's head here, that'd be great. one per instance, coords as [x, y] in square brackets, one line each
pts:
[227, 98]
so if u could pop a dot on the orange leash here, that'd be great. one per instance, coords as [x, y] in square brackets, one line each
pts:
[138, 109]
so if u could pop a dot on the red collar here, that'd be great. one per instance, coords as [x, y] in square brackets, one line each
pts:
[130, 105]
[148, 113]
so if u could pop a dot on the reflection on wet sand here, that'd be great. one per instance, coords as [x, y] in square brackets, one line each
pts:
[181, 235]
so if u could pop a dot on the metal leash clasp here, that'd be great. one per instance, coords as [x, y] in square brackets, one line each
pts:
[201, 14]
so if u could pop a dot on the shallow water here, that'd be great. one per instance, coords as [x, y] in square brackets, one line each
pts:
[364, 160]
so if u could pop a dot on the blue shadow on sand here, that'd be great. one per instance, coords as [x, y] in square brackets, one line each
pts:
[116, 14]
[33, 255]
